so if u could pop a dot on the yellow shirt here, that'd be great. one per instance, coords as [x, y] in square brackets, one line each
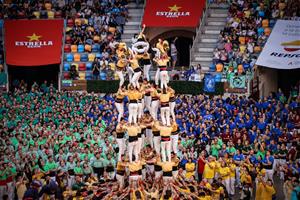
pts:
[224, 172]
[135, 166]
[232, 170]
[162, 62]
[119, 129]
[209, 172]
[264, 192]
[166, 166]
[190, 169]
[154, 94]
[121, 166]
[134, 63]
[132, 130]
[246, 178]
[154, 127]
[133, 94]
[164, 98]
[121, 63]
[218, 165]
[120, 95]
[164, 130]
[146, 56]
[174, 127]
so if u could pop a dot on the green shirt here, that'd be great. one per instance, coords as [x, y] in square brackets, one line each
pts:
[50, 166]
[261, 154]
[98, 163]
[78, 170]
[215, 150]
[231, 150]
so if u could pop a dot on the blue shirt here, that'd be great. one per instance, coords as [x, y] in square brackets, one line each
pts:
[253, 159]
[252, 136]
[237, 157]
[271, 159]
[261, 126]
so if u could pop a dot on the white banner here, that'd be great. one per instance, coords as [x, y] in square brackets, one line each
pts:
[282, 50]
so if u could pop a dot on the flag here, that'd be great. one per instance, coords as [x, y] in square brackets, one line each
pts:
[238, 81]
[209, 83]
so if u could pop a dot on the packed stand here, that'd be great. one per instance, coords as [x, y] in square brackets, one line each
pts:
[64, 144]
[90, 40]
[248, 27]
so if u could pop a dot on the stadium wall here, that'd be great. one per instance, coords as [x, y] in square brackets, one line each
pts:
[181, 87]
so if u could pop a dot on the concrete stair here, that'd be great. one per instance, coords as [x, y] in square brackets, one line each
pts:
[207, 38]
[132, 26]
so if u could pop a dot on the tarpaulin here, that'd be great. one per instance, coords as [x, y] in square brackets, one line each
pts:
[33, 42]
[173, 13]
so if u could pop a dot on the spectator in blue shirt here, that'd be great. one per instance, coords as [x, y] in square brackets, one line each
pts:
[268, 165]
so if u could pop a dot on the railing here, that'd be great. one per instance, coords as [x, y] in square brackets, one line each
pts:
[199, 28]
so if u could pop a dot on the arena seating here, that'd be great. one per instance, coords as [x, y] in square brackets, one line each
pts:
[247, 29]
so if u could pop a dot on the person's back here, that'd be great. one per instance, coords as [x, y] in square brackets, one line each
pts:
[31, 193]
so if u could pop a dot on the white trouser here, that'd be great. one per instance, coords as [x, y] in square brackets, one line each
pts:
[135, 79]
[156, 142]
[3, 190]
[140, 110]
[167, 179]
[120, 180]
[269, 174]
[172, 107]
[133, 148]
[164, 79]
[210, 180]
[150, 168]
[144, 173]
[175, 174]
[157, 174]
[121, 77]
[134, 178]
[157, 76]
[148, 102]
[149, 137]
[237, 175]
[130, 73]
[231, 185]
[11, 190]
[139, 145]
[174, 141]
[71, 181]
[226, 183]
[165, 149]
[133, 112]
[276, 164]
[154, 109]
[165, 115]
[120, 109]
[143, 140]
[146, 72]
[121, 145]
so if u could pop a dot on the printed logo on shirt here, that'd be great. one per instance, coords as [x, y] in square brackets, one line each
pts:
[34, 41]
[174, 11]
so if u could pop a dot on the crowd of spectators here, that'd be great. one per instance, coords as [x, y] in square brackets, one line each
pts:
[249, 23]
[91, 37]
[44, 131]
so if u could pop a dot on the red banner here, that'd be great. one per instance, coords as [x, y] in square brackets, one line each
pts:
[33, 42]
[173, 13]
